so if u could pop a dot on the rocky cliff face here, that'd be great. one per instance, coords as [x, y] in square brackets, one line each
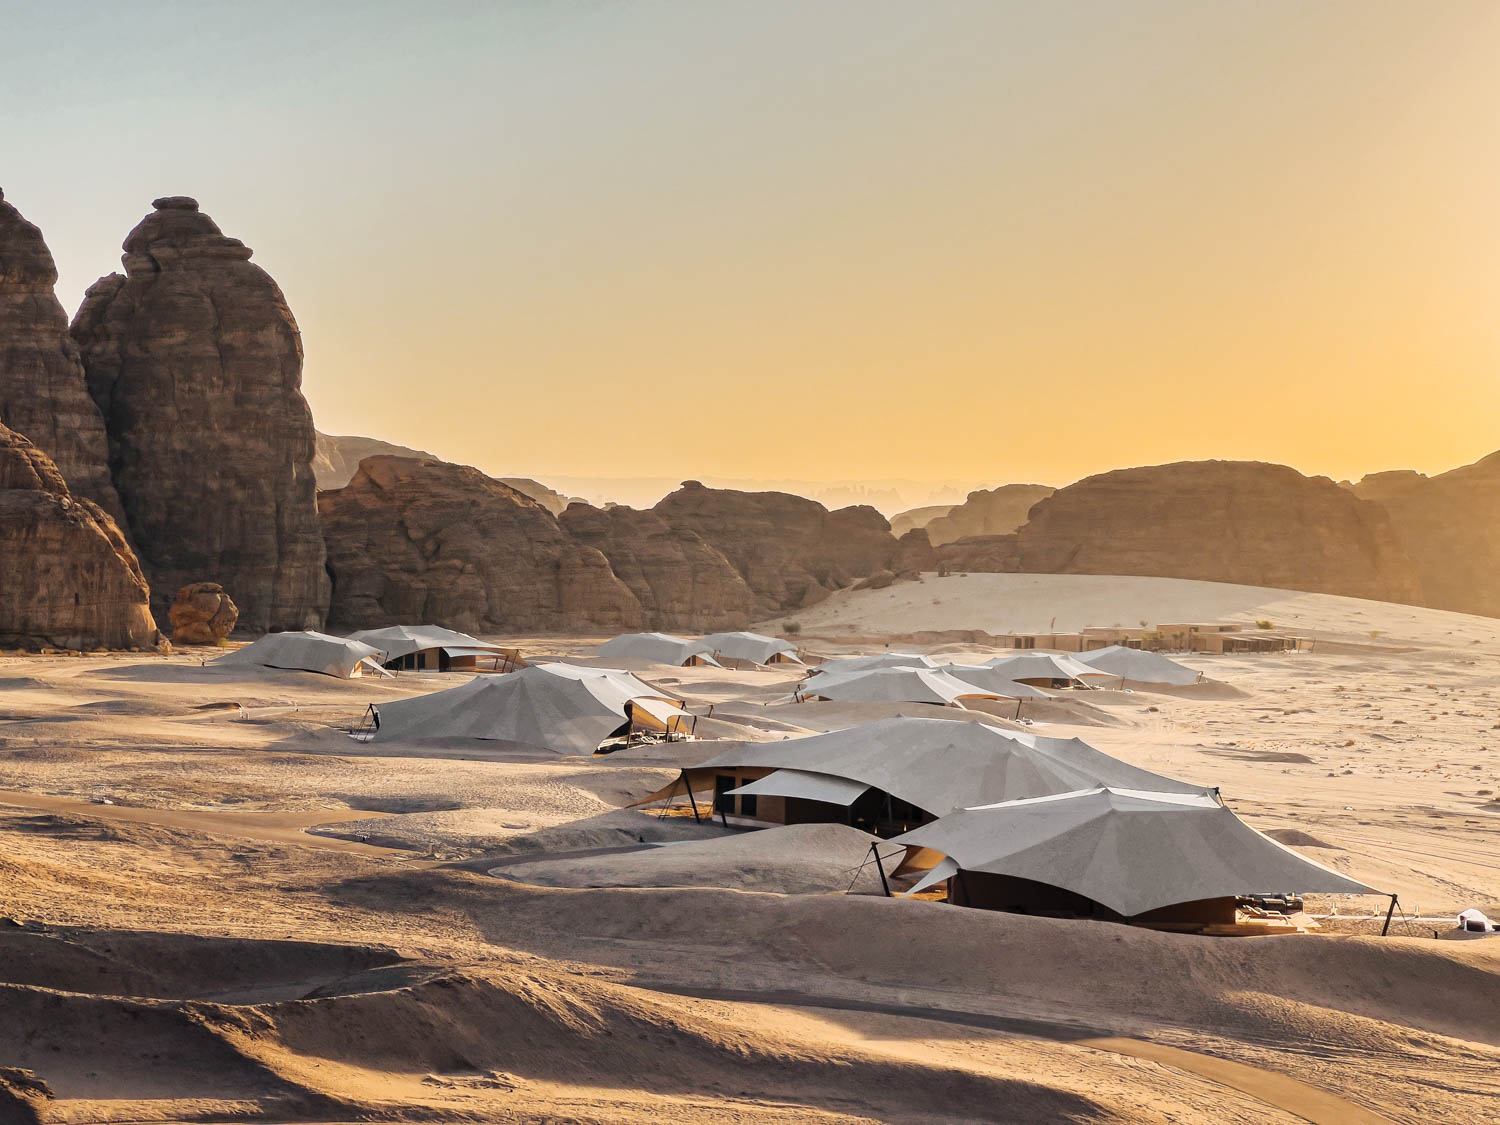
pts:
[195, 363]
[1449, 525]
[996, 511]
[681, 582]
[424, 542]
[68, 579]
[792, 552]
[42, 390]
[1223, 521]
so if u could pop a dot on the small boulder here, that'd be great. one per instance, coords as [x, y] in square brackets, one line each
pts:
[203, 614]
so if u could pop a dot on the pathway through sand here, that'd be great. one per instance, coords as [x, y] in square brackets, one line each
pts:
[272, 827]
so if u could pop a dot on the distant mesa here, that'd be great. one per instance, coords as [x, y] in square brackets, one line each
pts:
[997, 511]
[1449, 526]
[337, 460]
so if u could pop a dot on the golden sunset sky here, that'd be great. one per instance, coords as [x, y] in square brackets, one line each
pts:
[968, 242]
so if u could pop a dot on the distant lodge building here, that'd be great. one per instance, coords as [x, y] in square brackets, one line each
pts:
[1176, 637]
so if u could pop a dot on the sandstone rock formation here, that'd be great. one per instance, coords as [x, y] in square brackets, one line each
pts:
[1449, 525]
[1223, 521]
[68, 579]
[338, 459]
[681, 582]
[42, 390]
[203, 614]
[422, 541]
[986, 554]
[914, 551]
[196, 364]
[913, 518]
[996, 511]
[792, 552]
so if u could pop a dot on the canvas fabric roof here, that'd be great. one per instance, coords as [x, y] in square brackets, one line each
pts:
[655, 648]
[892, 685]
[993, 680]
[1136, 664]
[309, 651]
[1129, 850]
[940, 765]
[1043, 666]
[397, 641]
[559, 707]
[872, 661]
[754, 647]
[811, 786]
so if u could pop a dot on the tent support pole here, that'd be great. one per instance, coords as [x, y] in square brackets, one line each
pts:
[884, 884]
[688, 785]
[1389, 911]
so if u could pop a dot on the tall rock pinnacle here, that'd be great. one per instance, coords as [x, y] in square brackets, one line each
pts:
[195, 362]
[42, 391]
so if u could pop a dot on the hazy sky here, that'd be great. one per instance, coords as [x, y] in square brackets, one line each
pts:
[979, 241]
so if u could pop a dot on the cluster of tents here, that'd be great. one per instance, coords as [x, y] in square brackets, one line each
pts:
[1018, 822]
[1000, 819]
[901, 677]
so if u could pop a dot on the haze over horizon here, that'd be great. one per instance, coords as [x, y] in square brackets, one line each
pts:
[758, 241]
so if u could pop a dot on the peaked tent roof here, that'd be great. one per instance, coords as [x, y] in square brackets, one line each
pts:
[873, 661]
[892, 685]
[308, 651]
[993, 680]
[1129, 850]
[655, 648]
[1136, 664]
[559, 707]
[1043, 666]
[396, 641]
[754, 647]
[940, 765]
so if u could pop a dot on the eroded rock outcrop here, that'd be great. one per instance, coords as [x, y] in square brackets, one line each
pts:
[995, 511]
[195, 362]
[792, 552]
[203, 614]
[681, 581]
[1222, 521]
[68, 579]
[1449, 525]
[42, 389]
[423, 541]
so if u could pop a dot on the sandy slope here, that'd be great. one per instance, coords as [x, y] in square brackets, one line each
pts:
[189, 951]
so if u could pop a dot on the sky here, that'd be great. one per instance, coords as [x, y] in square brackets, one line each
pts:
[959, 242]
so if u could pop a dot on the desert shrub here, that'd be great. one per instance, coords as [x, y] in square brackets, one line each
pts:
[792, 627]
[1263, 624]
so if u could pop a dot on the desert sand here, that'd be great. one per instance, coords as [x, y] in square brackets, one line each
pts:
[271, 921]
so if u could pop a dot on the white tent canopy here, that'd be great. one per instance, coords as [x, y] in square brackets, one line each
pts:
[1143, 667]
[892, 685]
[993, 680]
[559, 707]
[396, 641]
[1129, 850]
[940, 765]
[754, 647]
[873, 661]
[308, 651]
[656, 648]
[1044, 666]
